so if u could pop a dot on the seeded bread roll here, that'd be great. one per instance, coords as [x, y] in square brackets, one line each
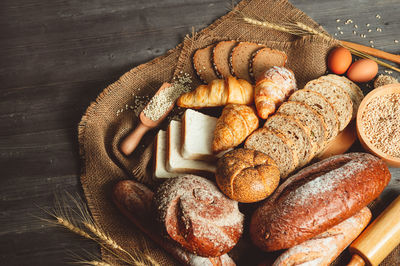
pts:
[276, 146]
[265, 58]
[292, 129]
[240, 59]
[247, 175]
[220, 58]
[309, 118]
[202, 63]
[321, 105]
[336, 96]
[192, 211]
[316, 198]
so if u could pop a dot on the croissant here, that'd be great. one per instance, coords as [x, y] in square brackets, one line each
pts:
[272, 88]
[237, 121]
[218, 93]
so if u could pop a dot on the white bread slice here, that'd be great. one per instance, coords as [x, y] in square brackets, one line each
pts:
[160, 150]
[197, 135]
[175, 162]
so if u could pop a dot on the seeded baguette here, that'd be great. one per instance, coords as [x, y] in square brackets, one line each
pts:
[239, 59]
[202, 63]
[220, 58]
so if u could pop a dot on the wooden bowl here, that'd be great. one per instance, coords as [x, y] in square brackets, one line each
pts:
[383, 90]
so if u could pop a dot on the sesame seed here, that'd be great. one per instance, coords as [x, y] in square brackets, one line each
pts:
[369, 30]
[368, 25]
[356, 26]
[354, 32]
[341, 32]
[338, 28]
[348, 21]
[379, 29]
[371, 41]
[396, 41]
[378, 16]
[335, 34]
[389, 71]
[338, 20]
[372, 46]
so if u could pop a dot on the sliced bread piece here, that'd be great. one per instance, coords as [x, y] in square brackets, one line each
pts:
[220, 58]
[265, 58]
[239, 59]
[322, 106]
[336, 96]
[292, 129]
[276, 146]
[197, 135]
[160, 150]
[175, 162]
[355, 93]
[309, 118]
[203, 65]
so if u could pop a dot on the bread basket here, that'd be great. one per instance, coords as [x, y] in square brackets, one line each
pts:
[362, 135]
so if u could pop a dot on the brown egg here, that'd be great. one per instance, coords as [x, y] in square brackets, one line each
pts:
[339, 60]
[362, 70]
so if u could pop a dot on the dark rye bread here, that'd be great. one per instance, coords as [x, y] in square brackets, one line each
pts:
[336, 96]
[310, 119]
[355, 93]
[240, 57]
[203, 65]
[292, 129]
[322, 106]
[265, 58]
[276, 146]
[220, 58]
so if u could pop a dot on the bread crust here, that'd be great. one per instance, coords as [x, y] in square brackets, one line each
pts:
[317, 198]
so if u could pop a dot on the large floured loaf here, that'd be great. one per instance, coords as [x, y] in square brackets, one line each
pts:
[317, 198]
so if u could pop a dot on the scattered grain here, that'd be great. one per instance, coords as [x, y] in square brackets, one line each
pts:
[396, 41]
[378, 29]
[338, 28]
[378, 16]
[367, 24]
[369, 30]
[382, 80]
[338, 20]
[348, 21]
[354, 32]
[341, 32]
[356, 26]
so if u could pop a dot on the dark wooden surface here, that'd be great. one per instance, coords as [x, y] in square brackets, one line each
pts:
[56, 56]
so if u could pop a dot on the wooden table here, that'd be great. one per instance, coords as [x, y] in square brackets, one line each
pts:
[56, 56]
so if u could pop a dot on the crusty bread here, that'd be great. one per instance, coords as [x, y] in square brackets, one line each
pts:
[247, 175]
[276, 146]
[355, 93]
[265, 58]
[310, 119]
[160, 150]
[321, 105]
[197, 135]
[292, 129]
[175, 162]
[239, 59]
[336, 96]
[203, 65]
[220, 58]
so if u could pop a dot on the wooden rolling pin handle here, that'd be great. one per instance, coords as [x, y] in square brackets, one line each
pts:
[356, 260]
[131, 141]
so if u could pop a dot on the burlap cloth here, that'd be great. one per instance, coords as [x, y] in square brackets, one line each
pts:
[102, 127]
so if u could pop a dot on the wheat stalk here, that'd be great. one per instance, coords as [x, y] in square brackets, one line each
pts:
[94, 262]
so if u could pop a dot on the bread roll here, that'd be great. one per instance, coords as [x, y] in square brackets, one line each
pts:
[247, 175]
[193, 212]
[236, 122]
[317, 198]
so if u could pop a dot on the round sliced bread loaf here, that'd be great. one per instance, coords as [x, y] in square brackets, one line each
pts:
[276, 146]
[203, 65]
[309, 119]
[265, 58]
[293, 130]
[220, 58]
[239, 60]
[336, 96]
[355, 93]
[322, 106]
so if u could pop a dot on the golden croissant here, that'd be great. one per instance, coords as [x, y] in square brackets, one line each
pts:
[218, 93]
[273, 87]
[237, 121]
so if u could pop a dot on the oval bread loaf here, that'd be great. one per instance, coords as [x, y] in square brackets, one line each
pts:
[317, 198]
[247, 175]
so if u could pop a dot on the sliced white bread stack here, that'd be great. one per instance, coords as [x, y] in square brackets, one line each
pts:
[186, 146]
[307, 122]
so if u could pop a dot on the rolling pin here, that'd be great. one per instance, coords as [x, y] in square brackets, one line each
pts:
[379, 239]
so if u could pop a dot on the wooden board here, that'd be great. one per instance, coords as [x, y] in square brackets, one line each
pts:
[56, 56]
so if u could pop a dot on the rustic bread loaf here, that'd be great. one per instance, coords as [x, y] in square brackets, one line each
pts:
[236, 122]
[322, 106]
[276, 146]
[324, 248]
[292, 129]
[202, 64]
[239, 59]
[247, 175]
[317, 198]
[265, 58]
[309, 118]
[337, 97]
[192, 211]
[220, 58]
